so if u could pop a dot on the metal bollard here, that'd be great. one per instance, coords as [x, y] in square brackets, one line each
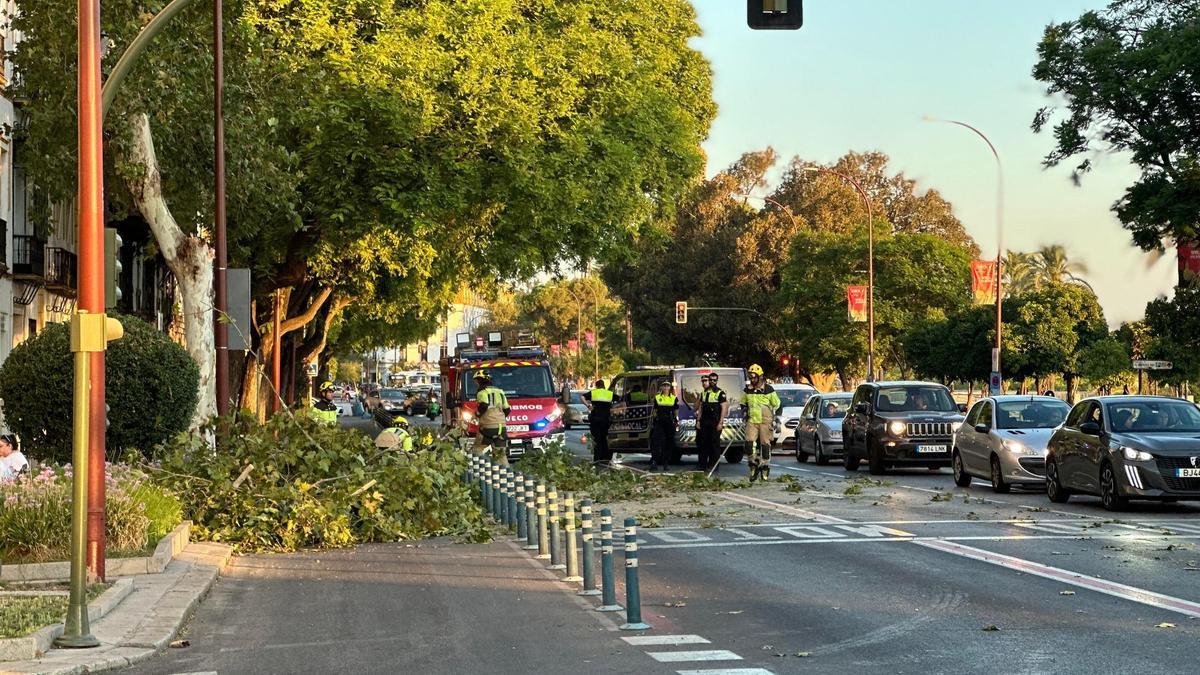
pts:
[589, 549]
[571, 541]
[520, 496]
[481, 479]
[487, 487]
[531, 516]
[608, 602]
[543, 536]
[633, 595]
[502, 505]
[496, 492]
[556, 554]
[511, 508]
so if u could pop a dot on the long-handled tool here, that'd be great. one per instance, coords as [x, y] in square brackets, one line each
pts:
[718, 461]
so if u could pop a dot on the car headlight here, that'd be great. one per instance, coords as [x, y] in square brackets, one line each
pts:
[467, 416]
[554, 414]
[1017, 447]
[1135, 455]
[896, 427]
[955, 426]
[835, 433]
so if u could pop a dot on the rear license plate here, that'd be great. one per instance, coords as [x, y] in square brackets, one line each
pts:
[931, 448]
[1187, 473]
[518, 428]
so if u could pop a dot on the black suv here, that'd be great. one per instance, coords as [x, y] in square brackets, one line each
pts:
[900, 424]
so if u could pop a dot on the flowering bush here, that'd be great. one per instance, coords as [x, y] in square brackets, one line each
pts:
[35, 519]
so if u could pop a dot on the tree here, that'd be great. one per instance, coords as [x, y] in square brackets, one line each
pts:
[1128, 76]
[1052, 266]
[956, 348]
[1048, 329]
[1105, 363]
[1174, 325]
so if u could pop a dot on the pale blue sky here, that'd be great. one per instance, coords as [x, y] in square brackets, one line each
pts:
[861, 74]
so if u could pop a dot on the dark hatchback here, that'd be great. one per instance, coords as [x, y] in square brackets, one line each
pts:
[892, 424]
[1126, 447]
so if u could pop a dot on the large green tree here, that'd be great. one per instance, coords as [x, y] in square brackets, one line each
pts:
[1048, 329]
[1174, 330]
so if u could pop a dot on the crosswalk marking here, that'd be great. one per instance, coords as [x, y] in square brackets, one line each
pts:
[727, 671]
[656, 640]
[703, 655]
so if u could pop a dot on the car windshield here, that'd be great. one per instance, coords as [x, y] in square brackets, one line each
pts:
[834, 408]
[915, 399]
[393, 394]
[730, 380]
[1154, 417]
[519, 381]
[1034, 414]
[577, 397]
[794, 398]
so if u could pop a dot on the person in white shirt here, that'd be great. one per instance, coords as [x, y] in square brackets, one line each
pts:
[12, 461]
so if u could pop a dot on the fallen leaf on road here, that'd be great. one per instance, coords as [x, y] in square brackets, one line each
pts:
[767, 648]
[804, 655]
[675, 604]
[1165, 625]
[1066, 592]
[179, 644]
[990, 628]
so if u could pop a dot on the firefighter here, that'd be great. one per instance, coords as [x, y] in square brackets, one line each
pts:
[396, 437]
[714, 405]
[325, 410]
[662, 434]
[491, 414]
[761, 405]
[599, 404]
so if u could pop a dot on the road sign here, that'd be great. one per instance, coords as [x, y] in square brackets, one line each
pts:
[312, 369]
[1141, 364]
[681, 312]
[994, 384]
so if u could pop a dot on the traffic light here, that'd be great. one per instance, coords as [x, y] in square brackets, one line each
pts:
[774, 14]
[681, 312]
[112, 268]
[785, 361]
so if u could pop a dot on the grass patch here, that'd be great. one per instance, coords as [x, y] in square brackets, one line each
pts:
[21, 615]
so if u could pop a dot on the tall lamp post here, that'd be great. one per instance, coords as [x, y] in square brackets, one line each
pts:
[999, 235]
[870, 263]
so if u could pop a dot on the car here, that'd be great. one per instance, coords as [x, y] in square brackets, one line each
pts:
[792, 398]
[1126, 447]
[389, 404]
[416, 401]
[1004, 438]
[903, 423]
[819, 433]
[576, 411]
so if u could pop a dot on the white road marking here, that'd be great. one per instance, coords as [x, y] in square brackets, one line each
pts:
[826, 537]
[1042, 509]
[678, 536]
[782, 508]
[652, 640]
[727, 671]
[703, 655]
[1112, 588]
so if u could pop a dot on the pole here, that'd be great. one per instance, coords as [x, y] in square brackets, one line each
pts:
[608, 586]
[589, 549]
[220, 304]
[633, 594]
[276, 345]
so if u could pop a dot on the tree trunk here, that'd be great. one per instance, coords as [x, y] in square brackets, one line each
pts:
[1069, 381]
[190, 259]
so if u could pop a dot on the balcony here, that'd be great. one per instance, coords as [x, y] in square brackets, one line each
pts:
[29, 257]
[62, 271]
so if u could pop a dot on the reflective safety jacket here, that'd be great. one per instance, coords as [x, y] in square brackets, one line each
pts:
[761, 404]
[710, 405]
[493, 407]
[324, 411]
[602, 400]
[395, 438]
[664, 409]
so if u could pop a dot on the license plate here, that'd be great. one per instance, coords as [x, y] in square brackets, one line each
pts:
[931, 448]
[518, 427]
[1187, 473]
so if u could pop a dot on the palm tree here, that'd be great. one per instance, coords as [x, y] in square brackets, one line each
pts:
[1052, 266]
[1019, 273]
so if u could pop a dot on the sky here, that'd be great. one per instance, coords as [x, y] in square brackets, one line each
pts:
[862, 74]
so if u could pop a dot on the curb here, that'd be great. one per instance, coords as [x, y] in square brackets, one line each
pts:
[168, 547]
[39, 642]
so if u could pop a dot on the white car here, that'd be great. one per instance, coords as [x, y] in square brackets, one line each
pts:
[793, 397]
[1004, 440]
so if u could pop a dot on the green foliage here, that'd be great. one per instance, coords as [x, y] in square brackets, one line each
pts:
[1127, 74]
[1049, 328]
[22, 615]
[150, 386]
[956, 348]
[1174, 325]
[315, 485]
[1105, 364]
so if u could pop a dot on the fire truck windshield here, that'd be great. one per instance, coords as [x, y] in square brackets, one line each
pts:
[518, 382]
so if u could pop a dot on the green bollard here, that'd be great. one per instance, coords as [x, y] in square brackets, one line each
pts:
[543, 537]
[589, 549]
[487, 487]
[481, 478]
[496, 501]
[503, 505]
[571, 541]
[510, 509]
[608, 603]
[633, 595]
[530, 515]
[556, 554]
[519, 496]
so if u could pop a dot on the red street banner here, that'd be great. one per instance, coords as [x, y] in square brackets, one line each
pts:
[1189, 264]
[555, 350]
[983, 281]
[589, 338]
[573, 346]
[856, 303]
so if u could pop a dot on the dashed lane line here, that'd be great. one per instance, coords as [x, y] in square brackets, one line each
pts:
[700, 655]
[727, 671]
[661, 640]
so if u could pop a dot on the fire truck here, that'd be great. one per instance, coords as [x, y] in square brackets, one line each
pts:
[523, 374]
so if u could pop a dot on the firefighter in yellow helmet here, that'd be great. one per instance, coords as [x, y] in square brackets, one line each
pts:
[396, 437]
[762, 403]
[325, 410]
[491, 413]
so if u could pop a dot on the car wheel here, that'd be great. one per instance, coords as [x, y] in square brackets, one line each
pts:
[875, 459]
[1054, 488]
[849, 461]
[801, 455]
[734, 455]
[820, 457]
[998, 484]
[676, 456]
[961, 477]
[1110, 494]
[567, 425]
[408, 411]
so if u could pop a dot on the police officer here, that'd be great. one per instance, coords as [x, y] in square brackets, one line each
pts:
[761, 405]
[662, 434]
[396, 437]
[491, 414]
[599, 404]
[325, 410]
[714, 405]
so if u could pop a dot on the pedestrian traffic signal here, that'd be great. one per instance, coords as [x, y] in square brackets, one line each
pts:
[112, 268]
[774, 14]
[681, 312]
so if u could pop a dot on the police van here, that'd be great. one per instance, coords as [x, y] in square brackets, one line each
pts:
[633, 409]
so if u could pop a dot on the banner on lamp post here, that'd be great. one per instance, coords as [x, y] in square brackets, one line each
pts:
[555, 350]
[983, 281]
[856, 303]
[573, 346]
[1189, 263]
[589, 339]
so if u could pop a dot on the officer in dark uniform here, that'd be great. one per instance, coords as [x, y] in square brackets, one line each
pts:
[599, 403]
[714, 405]
[662, 434]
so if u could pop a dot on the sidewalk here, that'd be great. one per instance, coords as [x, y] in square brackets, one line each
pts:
[145, 622]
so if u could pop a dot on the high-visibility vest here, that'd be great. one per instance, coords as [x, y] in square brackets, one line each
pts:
[497, 403]
[326, 416]
[668, 399]
[601, 396]
[761, 404]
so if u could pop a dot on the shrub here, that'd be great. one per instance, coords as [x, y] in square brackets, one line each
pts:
[35, 514]
[151, 389]
[315, 485]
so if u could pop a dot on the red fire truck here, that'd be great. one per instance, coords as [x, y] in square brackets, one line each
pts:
[523, 374]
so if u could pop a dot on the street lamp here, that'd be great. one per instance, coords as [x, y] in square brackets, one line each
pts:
[774, 203]
[999, 233]
[579, 325]
[870, 264]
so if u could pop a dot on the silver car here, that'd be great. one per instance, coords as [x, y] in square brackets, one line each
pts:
[820, 431]
[576, 412]
[792, 398]
[1004, 440]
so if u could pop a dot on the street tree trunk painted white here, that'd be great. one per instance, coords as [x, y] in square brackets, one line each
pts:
[190, 258]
